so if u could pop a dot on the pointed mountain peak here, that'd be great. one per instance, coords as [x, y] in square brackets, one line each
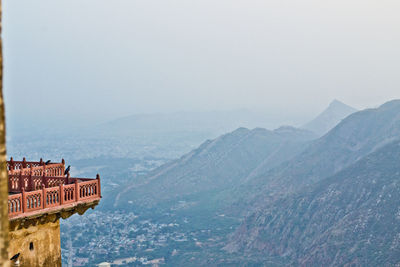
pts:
[329, 118]
[336, 102]
[339, 104]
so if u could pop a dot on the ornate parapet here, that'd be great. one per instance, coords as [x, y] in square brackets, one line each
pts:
[37, 188]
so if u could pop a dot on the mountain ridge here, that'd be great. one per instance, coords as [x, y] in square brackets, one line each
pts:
[355, 137]
[217, 164]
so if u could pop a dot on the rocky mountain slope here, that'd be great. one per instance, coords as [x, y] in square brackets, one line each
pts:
[355, 137]
[351, 218]
[329, 118]
[215, 166]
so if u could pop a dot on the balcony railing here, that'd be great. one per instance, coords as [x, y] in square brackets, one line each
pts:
[13, 165]
[34, 192]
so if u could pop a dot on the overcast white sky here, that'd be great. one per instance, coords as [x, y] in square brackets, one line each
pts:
[103, 59]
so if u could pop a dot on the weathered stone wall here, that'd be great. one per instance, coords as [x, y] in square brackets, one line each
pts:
[39, 245]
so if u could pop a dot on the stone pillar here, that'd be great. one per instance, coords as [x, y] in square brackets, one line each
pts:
[4, 223]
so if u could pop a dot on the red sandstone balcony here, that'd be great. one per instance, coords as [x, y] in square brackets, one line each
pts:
[36, 187]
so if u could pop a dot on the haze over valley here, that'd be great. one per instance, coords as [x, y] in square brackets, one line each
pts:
[222, 201]
[225, 133]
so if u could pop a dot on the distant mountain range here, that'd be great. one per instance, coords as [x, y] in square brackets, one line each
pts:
[219, 122]
[215, 122]
[215, 166]
[355, 137]
[329, 118]
[172, 135]
[219, 165]
[302, 199]
[330, 204]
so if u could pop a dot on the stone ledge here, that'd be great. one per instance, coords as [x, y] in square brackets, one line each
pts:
[50, 215]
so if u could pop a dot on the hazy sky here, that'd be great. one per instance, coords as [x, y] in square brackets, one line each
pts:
[102, 59]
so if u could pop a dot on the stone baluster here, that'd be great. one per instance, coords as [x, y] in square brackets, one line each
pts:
[98, 185]
[61, 194]
[44, 197]
[76, 191]
[24, 208]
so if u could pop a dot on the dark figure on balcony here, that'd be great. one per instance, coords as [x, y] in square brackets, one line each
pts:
[67, 170]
